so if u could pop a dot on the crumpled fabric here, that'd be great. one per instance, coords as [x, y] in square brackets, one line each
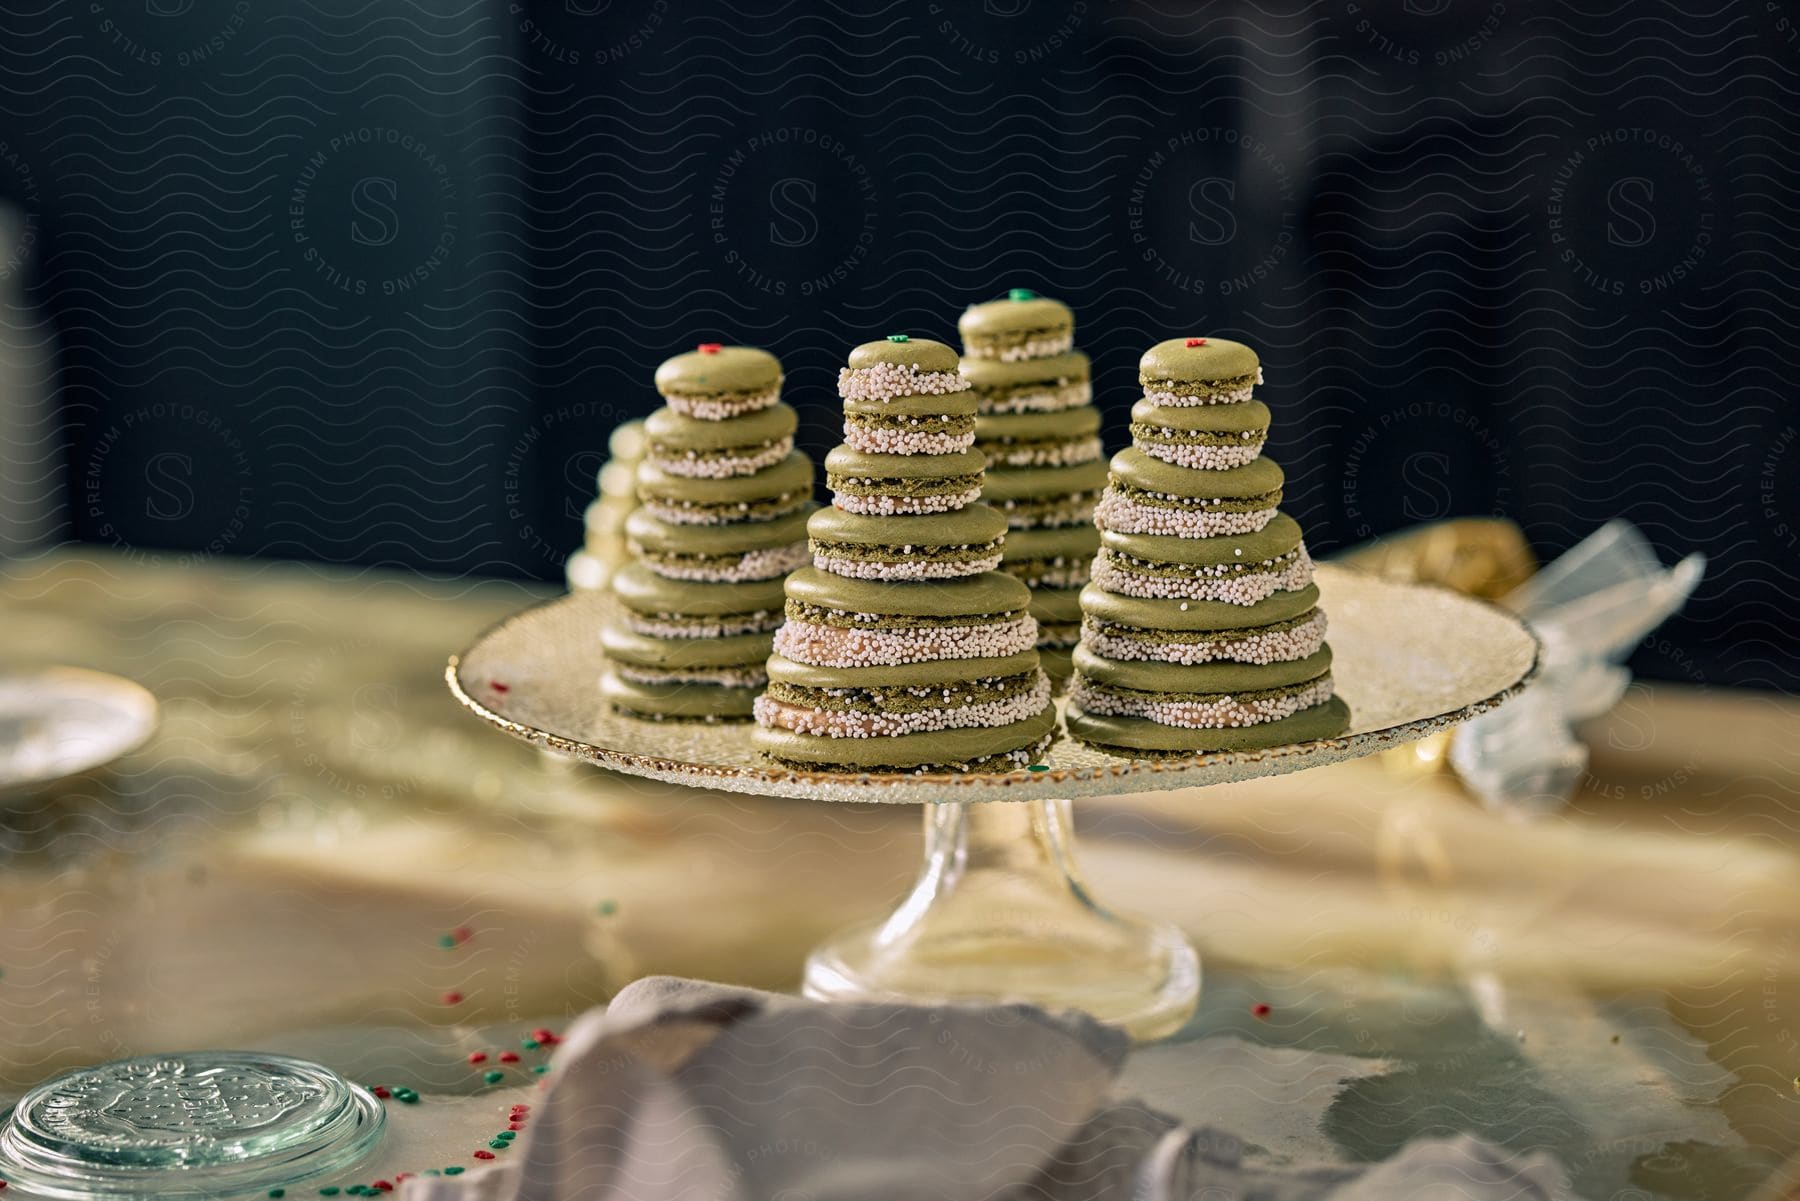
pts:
[1590, 609]
[686, 1091]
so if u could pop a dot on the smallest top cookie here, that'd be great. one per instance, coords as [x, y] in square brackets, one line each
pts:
[900, 366]
[715, 382]
[1198, 371]
[1022, 325]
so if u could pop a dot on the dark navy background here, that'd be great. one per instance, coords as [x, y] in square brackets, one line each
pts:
[370, 282]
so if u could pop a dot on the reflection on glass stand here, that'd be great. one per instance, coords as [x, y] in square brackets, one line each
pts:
[1000, 911]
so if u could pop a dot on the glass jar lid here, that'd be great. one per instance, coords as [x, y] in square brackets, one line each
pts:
[196, 1124]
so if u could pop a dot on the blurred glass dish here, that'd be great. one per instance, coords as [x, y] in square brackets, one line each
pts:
[57, 722]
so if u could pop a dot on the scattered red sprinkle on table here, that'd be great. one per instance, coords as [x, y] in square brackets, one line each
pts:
[386, 1186]
[515, 1124]
[502, 689]
[509, 1057]
[519, 1110]
[544, 1036]
[477, 1056]
[484, 1155]
[381, 1091]
[1196, 341]
[1260, 1009]
[462, 934]
[453, 998]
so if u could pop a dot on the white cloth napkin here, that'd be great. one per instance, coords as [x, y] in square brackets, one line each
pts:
[1590, 609]
[686, 1091]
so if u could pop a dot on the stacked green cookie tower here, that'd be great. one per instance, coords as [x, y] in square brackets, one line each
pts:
[1040, 432]
[1201, 629]
[904, 649]
[723, 502]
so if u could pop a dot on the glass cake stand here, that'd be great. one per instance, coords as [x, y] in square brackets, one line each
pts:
[1000, 911]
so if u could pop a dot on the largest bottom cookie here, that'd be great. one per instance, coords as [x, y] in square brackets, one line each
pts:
[998, 748]
[1140, 738]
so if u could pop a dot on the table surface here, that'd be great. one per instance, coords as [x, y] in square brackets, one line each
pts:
[280, 865]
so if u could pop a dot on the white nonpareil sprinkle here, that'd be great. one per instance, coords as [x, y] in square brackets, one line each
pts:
[1044, 454]
[717, 408]
[756, 565]
[831, 723]
[1237, 588]
[884, 440]
[695, 466]
[1201, 458]
[1051, 399]
[1121, 515]
[833, 646]
[1282, 646]
[1223, 712]
[887, 506]
[857, 569]
[1033, 348]
[728, 677]
[1176, 400]
[885, 381]
[670, 626]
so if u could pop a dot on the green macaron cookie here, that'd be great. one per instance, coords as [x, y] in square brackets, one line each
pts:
[1196, 371]
[709, 703]
[1010, 747]
[882, 605]
[1039, 439]
[741, 551]
[661, 607]
[1198, 696]
[966, 541]
[687, 660]
[1058, 614]
[1051, 556]
[1149, 496]
[1210, 437]
[1240, 568]
[1046, 496]
[1053, 383]
[842, 623]
[714, 381]
[883, 484]
[899, 365]
[775, 491]
[1195, 615]
[1138, 738]
[1020, 325]
[911, 425]
[687, 446]
[903, 350]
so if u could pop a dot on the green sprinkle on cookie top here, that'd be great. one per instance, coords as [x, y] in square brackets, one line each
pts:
[1015, 314]
[1179, 360]
[720, 370]
[920, 353]
[1021, 294]
[898, 338]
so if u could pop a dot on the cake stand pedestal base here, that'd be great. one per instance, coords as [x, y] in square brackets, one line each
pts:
[1000, 913]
